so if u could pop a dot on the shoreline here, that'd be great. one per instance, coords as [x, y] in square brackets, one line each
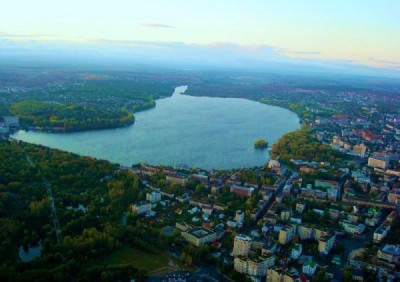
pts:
[215, 163]
[62, 130]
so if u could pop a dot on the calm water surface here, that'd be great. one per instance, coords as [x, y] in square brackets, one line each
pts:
[183, 131]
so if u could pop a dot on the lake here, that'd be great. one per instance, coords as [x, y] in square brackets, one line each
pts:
[185, 131]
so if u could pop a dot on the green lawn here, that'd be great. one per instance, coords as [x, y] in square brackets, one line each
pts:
[152, 263]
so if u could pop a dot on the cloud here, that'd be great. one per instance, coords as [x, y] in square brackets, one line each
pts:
[218, 54]
[300, 52]
[156, 25]
[385, 62]
[13, 35]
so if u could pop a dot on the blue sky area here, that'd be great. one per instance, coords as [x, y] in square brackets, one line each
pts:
[357, 32]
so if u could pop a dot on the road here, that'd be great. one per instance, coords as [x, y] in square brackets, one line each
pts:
[278, 190]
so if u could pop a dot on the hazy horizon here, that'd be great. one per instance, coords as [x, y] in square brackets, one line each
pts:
[360, 37]
[175, 56]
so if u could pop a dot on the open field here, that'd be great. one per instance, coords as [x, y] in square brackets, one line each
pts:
[152, 263]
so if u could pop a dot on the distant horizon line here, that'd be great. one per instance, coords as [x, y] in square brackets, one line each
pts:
[218, 54]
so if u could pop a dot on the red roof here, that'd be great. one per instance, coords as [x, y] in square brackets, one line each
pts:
[216, 244]
[303, 278]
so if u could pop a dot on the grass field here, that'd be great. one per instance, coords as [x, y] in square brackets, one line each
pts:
[151, 263]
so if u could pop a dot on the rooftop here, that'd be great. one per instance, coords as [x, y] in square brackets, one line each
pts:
[382, 229]
[310, 263]
[200, 232]
[392, 249]
[242, 237]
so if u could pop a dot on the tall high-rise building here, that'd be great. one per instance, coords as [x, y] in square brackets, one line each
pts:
[241, 245]
[287, 234]
[360, 149]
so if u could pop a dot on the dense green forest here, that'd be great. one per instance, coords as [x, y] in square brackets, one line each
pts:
[68, 118]
[302, 145]
[27, 216]
[66, 100]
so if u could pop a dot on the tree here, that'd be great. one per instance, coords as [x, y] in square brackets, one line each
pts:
[321, 276]
[348, 273]
[199, 189]
[260, 144]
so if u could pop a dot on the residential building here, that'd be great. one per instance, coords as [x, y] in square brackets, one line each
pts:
[141, 207]
[231, 224]
[274, 164]
[153, 197]
[177, 178]
[391, 217]
[254, 266]
[296, 251]
[241, 245]
[300, 207]
[270, 218]
[242, 191]
[309, 267]
[207, 209]
[307, 169]
[286, 214]
[297, 219]
[305, 232]
[326, 239]
[352, 228]
[185, 198]
[381, 232]
[239, 217]
[269, 248]
[320, 233]
[334, 214]
[360, 150]
[240, 264]
[182, 226]
[287, 234]
[381, 162]
[326, 183]
[394, 197]
[203, 178]
[390, 254]
[358, 275]
[220, 207]
[257, 244]
[257, 266]
[332, 188]
[199, 236]
[326, 243]
[216, 189]
[275, 274]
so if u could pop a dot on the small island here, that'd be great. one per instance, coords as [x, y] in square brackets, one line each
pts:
[260, 144]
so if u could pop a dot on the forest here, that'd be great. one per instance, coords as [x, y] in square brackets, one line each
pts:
[302, 145]
[68, 118]
[67, 100]
[28, 213]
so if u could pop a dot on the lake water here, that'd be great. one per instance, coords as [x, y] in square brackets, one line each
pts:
[182, 130]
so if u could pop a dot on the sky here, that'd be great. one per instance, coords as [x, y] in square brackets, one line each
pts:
[364, 32]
